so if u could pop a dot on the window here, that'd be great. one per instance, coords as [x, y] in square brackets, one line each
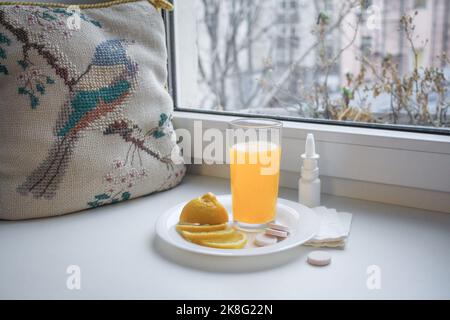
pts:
[366, 4]
[293, 31]
[336, 68]
[280, 42]
[295, 42]
[420, 4]
[366, 45]
[294, 4]
[243, 72]
[295, 18]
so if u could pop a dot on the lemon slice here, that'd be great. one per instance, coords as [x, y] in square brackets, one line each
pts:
[201, 228]
[212, 235]
[237, 241]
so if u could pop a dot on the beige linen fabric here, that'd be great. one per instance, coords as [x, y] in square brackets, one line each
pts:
[85, 119]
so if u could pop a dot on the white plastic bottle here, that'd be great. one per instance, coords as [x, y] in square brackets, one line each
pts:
[309, 183]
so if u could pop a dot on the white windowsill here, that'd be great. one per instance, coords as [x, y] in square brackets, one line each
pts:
[409, 169]
[120, 257]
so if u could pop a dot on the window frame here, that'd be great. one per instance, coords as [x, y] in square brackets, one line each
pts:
[414, 183]
[169, 20]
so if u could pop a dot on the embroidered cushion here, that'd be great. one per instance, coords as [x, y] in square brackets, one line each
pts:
[85, 118]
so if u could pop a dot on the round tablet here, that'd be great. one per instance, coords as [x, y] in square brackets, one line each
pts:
[319, 258]
[278, 226]
[263, 240]
[276, 233]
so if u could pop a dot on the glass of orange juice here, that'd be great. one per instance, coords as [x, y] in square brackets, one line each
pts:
[255, 154]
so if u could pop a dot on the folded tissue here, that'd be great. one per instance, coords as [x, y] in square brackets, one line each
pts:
[334, 228]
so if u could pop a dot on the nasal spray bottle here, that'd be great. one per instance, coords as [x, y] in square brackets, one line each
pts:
[309, 183]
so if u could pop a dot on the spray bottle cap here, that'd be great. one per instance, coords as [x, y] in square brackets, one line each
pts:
[310, 148]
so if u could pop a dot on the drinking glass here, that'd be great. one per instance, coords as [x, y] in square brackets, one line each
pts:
[255, 154]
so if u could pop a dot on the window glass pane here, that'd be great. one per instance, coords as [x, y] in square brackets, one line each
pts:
[378, 61]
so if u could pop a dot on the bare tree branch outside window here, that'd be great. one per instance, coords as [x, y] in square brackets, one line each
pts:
[376, 61]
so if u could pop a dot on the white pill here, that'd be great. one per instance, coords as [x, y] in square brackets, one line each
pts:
[319, 258]
[263, 240]
[277, 233]
[278, 226]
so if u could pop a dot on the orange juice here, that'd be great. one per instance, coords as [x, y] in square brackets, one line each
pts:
[255, 171]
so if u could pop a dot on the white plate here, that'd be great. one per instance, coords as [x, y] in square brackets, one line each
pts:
[301, 220]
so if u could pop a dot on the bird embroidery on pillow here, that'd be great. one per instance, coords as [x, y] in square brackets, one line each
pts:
[98, 94]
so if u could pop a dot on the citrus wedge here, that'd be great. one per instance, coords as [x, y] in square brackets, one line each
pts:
[204, 210]
[212, 235]
[238, 240]
[201, 228]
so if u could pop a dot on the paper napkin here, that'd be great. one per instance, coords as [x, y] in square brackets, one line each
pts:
[334, 228]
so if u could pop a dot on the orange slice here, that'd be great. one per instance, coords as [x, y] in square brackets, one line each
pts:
[212, 235]
[201, 228]
[237, 241]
